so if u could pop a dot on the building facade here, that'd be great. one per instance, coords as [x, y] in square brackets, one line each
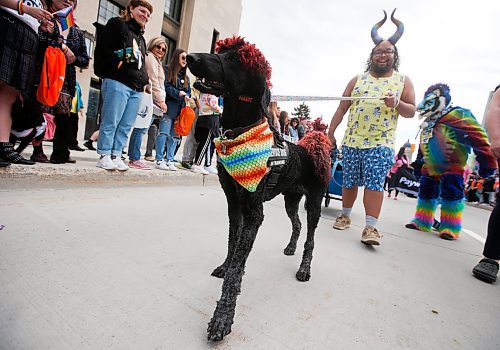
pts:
[193, 25]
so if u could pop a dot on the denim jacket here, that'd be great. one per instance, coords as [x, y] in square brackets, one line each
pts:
[172, 99]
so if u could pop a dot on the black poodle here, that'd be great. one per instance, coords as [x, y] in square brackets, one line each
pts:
[240, 73]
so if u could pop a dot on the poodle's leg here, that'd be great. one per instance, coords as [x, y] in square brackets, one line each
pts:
[314, 198]
[292, 201]
[235, 225]
[222, 320]
[235, 218]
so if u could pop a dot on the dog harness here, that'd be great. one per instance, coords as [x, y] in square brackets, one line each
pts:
[245, 157]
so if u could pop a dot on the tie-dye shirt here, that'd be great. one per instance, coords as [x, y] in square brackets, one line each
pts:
[371, 123]
[446, 146]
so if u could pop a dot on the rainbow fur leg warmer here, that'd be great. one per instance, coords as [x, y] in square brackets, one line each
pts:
[451, 217]
[424, 214]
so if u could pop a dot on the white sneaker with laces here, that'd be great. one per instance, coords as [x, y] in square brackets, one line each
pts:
[199, 169]
[171, 166]
[105, 162]
[120, 165]
[161, 164]
[211, 169]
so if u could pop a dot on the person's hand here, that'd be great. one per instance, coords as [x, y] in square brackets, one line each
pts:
[391, 100]
[70, 56]
[332, 139]
[47, 26]
[163, 106]
[35, 12]
[182, 93]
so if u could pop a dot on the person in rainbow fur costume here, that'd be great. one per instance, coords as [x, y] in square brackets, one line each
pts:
[447, 137]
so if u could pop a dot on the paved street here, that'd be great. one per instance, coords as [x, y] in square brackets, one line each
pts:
[128, 267]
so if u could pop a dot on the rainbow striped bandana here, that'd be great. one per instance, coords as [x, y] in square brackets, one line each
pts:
[245, 157]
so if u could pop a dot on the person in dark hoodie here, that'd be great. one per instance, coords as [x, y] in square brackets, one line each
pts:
[120, 61]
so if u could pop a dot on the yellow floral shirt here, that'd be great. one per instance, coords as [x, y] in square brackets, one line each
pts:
[371, 123]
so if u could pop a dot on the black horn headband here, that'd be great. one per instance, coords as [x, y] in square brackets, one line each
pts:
[395, 37]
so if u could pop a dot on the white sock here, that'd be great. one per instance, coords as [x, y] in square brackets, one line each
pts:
[347, 211]
[371, 221]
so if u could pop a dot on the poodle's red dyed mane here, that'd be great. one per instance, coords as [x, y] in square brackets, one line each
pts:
[250, 56]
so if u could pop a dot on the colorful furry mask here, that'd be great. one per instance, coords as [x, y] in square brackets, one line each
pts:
[437, 98]
[250, 56]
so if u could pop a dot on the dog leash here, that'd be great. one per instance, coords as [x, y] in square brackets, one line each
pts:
[322, 98]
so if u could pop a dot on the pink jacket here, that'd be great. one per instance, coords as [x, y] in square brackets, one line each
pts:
[399, 163]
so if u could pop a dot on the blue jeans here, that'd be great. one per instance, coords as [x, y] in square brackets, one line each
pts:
[119, 110]
[166, 135]
[135, 142]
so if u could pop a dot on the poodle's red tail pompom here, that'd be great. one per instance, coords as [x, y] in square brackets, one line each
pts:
[318, 146]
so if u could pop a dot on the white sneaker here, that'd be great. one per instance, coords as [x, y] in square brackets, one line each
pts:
[211, 170]
[171, 166]
[161, 164]
[120, 165]
[105, 162]
[199, 169]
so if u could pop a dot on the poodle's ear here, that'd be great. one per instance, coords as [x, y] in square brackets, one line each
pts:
[264, 103]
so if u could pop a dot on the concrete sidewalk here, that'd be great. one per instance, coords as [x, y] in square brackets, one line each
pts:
[85, 172]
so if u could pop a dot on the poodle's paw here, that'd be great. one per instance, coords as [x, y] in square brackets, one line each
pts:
[303, 275]
[289, 250]
[220, 271]
[218, 328]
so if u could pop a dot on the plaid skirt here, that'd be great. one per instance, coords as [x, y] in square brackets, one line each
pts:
[18, 50]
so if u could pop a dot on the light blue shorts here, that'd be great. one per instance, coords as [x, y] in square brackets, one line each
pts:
[366, 167]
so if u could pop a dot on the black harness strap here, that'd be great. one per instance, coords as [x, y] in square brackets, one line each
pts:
[276, 163]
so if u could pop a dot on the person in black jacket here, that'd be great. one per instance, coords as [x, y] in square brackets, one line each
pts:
[120, 62]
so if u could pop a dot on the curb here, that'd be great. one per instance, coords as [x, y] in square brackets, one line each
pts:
[86, 173]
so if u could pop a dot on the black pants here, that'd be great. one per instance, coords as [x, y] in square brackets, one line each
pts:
[73, 122]
[205, 138]
[62, 138]
[152, 133]
[492, 244]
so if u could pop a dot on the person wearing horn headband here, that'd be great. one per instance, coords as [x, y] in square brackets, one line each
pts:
[368, 144]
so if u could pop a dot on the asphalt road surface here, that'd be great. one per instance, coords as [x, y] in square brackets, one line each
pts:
[129, 268]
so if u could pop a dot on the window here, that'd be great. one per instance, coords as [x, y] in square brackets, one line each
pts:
[173, 9]
[215, 37]
[172, 45]
[89, 43]
[107, 10]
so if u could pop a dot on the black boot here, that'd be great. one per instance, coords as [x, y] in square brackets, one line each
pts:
[7, 153]
[89, 145]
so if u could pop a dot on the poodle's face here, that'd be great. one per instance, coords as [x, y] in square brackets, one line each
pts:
[224, 74]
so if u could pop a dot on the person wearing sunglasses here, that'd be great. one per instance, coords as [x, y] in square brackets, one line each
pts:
[368, 144]
[157, 48]
[178, 91]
